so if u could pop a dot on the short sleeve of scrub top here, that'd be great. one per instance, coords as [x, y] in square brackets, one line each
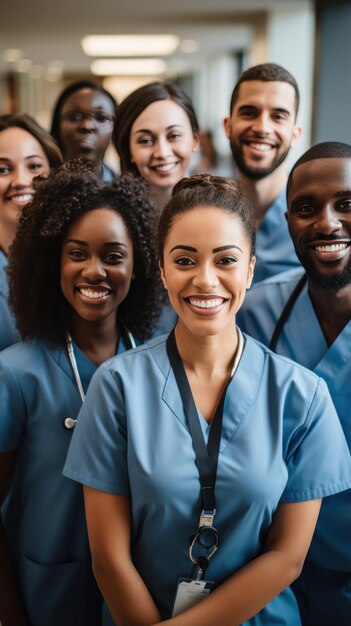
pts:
[304, 451]
[107, 470]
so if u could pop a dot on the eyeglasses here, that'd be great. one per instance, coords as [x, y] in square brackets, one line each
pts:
[99, 119]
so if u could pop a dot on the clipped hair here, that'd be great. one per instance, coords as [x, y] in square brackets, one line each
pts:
[205, 190]
[323, 150]
[267, 72]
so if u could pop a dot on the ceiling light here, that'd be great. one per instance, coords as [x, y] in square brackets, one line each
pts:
[37, 71]
[129, 45]
[189, 45]
[128, 67]
[12, 55]
[54, 71]
[122, 86]
[24, 65]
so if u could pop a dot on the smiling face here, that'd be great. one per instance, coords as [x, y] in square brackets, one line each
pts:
[262, 128]
[319, 220]
[207, 267]
[86, 125]
[96, 266]
[161, 143]
[21, 159]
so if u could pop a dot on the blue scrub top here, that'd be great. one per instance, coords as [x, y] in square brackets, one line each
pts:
[108, 175]
[302, 339]
[274, 248]
[43, 513]
[281, 442]
[8, 331]
[166, 321]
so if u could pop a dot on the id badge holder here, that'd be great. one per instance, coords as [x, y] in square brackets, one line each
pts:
[189, 593]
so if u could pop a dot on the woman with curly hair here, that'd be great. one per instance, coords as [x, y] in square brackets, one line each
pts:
[82, 286]
[26, 150]
[203, 455]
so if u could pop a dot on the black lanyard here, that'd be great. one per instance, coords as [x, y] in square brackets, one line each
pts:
[286, 311]
[206, 456]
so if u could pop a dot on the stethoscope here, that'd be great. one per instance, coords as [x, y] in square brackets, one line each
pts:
[286, 311]
[69, 422]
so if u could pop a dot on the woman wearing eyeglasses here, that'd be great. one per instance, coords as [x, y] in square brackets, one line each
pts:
[203, 455]
[82, 124]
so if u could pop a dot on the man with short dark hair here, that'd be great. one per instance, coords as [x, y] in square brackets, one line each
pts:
[261, 129]
[306, 316]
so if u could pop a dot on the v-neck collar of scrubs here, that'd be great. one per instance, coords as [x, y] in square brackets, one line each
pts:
[86, 367]
[242, 390]
[322, 359]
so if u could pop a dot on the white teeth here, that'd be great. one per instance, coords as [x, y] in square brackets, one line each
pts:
[333, 247]
[26, 197]
[262, 147]
[206, 304]
[165, 168]
[93, 293]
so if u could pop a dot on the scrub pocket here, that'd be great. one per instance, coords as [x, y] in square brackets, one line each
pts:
[60, 594]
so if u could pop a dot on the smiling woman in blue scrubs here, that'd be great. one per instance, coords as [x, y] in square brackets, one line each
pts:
[236, 514]
[26, 151]
[81, 282]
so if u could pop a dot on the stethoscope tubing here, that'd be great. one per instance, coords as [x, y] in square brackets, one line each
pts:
[70, 422]
[286, 312]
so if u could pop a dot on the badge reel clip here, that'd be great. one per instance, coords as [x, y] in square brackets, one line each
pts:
[202, 547]
[204, 543]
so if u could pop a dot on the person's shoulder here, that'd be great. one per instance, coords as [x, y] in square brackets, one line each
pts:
[24, 354]
[19, 349]
[268, 289]
[19, 362]
[287, 368]
[152, 351]
[279, 201]
[283, 278]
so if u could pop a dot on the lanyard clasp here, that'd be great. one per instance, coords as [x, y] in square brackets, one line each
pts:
[207, 517]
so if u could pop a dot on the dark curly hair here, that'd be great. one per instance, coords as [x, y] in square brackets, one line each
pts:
[204, 190]
[35, 257]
